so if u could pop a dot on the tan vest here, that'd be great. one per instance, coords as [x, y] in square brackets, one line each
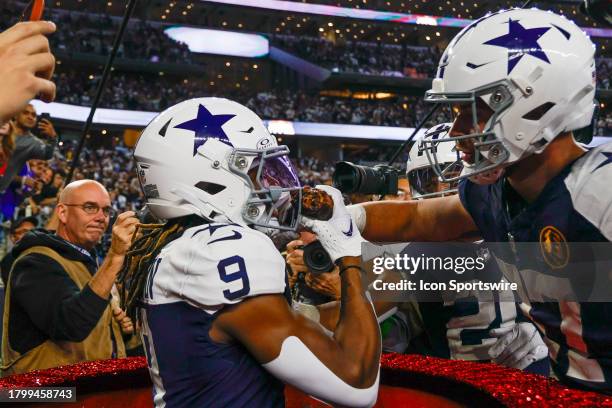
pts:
[98, 345]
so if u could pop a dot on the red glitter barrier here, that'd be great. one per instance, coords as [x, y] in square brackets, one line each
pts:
[406, 380]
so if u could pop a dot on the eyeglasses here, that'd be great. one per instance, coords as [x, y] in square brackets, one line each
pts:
[92, 208]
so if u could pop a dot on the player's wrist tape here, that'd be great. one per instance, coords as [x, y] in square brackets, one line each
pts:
[358, 215]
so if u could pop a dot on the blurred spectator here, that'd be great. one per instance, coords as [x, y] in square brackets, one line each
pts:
[7, 145]
[14, 201]
[17, 230]
[20, 227]
[604, 72]
[604, 124]
[59, 309]
[28, 146]
[53, 182]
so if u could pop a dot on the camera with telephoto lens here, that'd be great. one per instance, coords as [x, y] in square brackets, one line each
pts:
[353, 178]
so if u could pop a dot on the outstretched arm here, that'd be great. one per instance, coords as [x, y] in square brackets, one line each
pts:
[435, 219]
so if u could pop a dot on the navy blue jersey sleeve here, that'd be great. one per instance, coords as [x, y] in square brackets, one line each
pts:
[464, 189]
[485, 206]
[468, 194]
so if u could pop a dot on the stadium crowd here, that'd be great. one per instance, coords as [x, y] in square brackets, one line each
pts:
[131, 91]
[94, 33]
[142, 41]
[362, 57]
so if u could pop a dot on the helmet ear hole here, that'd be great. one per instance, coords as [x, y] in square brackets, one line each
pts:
[537, 113]
[210, 188]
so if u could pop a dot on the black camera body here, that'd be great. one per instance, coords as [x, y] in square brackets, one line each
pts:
[36, 131]
[317, 259]
[353, 178]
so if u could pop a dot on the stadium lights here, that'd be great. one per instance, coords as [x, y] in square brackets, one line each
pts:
[220, 42]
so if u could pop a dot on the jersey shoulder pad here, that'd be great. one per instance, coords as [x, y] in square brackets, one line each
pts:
[229, 262]
[589, 186]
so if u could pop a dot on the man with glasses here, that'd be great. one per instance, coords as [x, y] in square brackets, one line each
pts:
[57, 297]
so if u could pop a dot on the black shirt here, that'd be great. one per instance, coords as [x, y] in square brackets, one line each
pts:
[45, 302]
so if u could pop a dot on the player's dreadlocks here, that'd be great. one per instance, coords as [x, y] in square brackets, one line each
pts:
[141, 255]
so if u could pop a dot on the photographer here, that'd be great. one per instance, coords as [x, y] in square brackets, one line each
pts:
[58, 308]
[28, 146]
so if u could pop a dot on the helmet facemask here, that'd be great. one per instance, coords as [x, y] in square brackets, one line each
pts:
[477, 113]
[273, 181]
[425, 182]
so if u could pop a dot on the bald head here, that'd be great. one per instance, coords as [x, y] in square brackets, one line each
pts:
[73, 189]
[83, 213]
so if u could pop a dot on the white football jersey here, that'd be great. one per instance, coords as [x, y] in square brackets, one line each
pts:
[189, 282]
[215, 264]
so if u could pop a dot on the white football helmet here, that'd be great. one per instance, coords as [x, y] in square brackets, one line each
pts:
[523, 76]
[215, 158]
[424, 182]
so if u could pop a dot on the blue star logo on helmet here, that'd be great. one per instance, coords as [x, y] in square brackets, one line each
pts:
[521, 41]
[206, 126]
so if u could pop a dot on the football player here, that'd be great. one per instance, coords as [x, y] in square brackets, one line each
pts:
[469, 325]
[519, 82]
[216, 326]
